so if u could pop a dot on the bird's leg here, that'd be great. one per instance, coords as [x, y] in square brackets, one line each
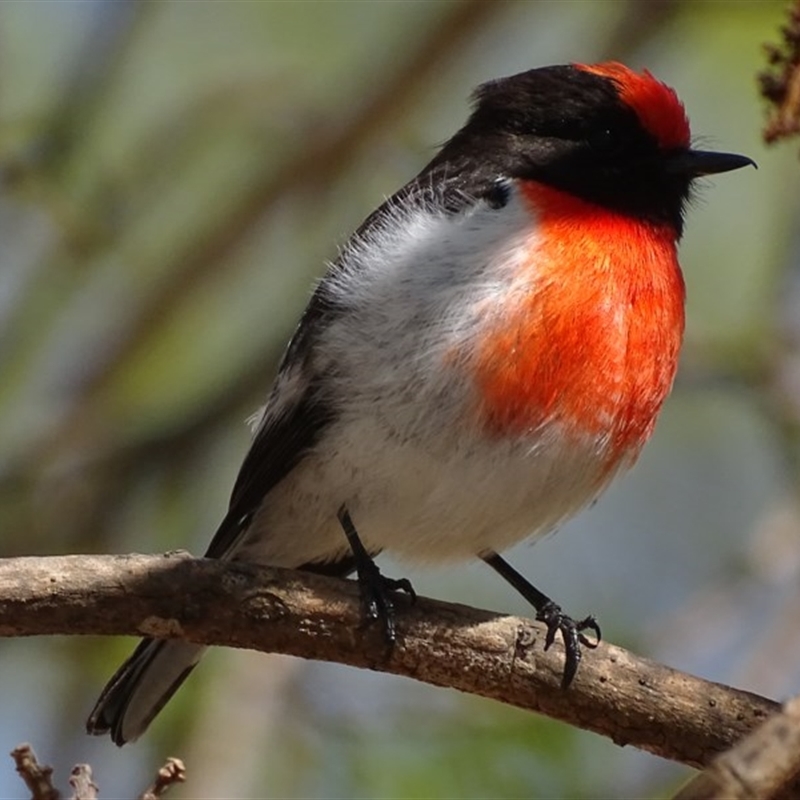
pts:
[375, 588]
[553, 617]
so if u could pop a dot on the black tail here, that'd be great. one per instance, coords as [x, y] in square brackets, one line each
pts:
[141, 687]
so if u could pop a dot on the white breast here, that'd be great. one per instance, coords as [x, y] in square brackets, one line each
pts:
[420, 477]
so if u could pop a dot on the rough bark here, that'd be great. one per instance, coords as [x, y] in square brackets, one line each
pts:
[617, 694]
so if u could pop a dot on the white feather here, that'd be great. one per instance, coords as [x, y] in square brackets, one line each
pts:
[419, 475]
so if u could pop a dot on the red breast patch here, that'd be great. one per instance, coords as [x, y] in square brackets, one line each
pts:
[592, 342]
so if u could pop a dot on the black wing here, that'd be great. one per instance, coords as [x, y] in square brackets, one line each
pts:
[453, 184]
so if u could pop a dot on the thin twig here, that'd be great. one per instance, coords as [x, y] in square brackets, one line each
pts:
[37, 777]
[780, 83]
[83, 787]
[171, 773]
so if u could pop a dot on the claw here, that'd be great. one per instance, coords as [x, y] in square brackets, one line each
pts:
[376, 590]
[572, 634]
[589, 624]
[553, 617]
[376, 597]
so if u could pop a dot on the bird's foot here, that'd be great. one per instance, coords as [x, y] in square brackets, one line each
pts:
[376, 596]
[376, 589]
[571, 632]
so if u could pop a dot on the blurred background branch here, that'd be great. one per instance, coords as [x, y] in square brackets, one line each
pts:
[780, 83]
[763, 764]
[39, 778]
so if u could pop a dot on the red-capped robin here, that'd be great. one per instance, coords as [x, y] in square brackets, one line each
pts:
[490, 348]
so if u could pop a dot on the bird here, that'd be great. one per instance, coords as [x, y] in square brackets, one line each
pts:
[489, 349]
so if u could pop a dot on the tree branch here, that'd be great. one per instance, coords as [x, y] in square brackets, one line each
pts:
[617, 694]
[762, 765]
[83, 787]
[38, 778]
[171, 773]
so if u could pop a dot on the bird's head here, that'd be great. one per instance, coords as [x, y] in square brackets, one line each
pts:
[603, 133]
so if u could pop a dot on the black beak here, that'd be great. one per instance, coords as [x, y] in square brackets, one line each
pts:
[696, 163]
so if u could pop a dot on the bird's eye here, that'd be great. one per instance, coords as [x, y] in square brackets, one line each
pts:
[498, 195]
[603, 139]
